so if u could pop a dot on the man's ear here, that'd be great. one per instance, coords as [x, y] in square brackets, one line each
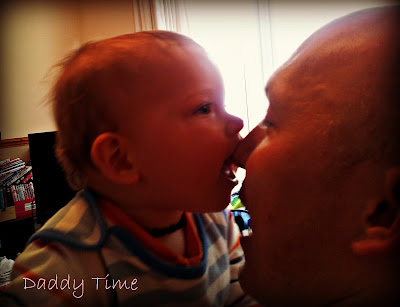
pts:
[383, 220]
[110, 154]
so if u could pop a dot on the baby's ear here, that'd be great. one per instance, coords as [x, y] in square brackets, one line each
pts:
[382, 220]
[110, 154]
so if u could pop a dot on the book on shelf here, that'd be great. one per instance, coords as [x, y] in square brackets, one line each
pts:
[8, 180]
[12, 177]
[19, 175]
[23, 198]
[5, 177]
[10, 165]
[28, 178]
[4, 161]
[17, 197]
[7, 162]
[20, 197]
[13, 169]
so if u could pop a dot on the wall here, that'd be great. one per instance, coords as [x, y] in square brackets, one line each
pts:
[34, 36]
[21, 152]
[293, 21]
[102, 19]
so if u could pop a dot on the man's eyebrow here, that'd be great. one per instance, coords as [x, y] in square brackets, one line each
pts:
[270, 93]
[267, 88]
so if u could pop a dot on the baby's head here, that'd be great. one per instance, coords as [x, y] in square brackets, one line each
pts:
[144, 113]
[94, 81]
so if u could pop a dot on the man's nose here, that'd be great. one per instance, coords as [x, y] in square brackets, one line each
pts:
[247, 145]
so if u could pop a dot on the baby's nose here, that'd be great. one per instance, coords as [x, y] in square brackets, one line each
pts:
[234, 125]
[247, 145]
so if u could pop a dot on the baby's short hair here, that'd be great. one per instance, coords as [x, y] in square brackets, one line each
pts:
[78, 95]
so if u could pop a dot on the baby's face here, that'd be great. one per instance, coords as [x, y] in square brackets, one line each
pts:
[182, 138]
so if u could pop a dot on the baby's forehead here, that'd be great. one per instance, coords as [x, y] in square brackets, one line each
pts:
[151, 75]
[165, 52]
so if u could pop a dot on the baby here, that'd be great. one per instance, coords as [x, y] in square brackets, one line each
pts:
[143, 133]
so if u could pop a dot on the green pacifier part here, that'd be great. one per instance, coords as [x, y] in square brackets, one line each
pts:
[236, 203]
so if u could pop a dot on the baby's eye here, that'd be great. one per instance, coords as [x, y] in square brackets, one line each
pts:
[204, 109]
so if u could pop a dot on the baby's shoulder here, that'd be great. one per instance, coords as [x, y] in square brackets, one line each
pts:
[78, 224]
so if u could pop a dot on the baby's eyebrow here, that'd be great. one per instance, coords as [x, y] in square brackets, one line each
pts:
[208, 94]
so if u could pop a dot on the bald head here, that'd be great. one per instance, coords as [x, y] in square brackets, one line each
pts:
[362, 46]
[346, 76]
[323, 170]
[348, 73]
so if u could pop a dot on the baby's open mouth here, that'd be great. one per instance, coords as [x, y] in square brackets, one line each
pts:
[228, 170]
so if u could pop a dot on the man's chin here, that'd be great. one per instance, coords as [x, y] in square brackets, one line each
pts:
[249, 275]
[250, 285]
[246, 280]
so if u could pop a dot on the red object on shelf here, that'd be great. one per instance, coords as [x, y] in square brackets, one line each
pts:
[24, 207]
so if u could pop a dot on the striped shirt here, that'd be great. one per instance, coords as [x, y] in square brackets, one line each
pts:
[91, 254]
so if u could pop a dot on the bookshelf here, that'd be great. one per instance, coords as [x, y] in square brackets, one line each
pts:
[17, 198]
[17, 221]
[51, 189]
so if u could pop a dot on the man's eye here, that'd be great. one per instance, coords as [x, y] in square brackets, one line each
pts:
[266, 123]
[204, 109]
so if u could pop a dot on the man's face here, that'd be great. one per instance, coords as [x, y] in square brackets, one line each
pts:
[299, 197]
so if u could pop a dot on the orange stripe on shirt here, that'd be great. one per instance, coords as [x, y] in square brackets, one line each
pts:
[192, 241]
[236, 244]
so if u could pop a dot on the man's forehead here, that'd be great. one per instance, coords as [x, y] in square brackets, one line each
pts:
[295, 93]
[275, 95]
[272, 86]
[277, 89]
